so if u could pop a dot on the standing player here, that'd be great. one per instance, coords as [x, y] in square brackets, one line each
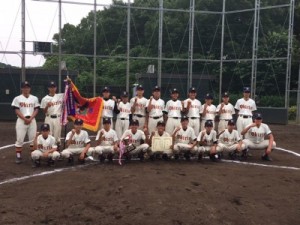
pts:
[107, 142]
[230, 140]
[45, 147]
[173, 112]
[208, 111]
[138, 107]
[184, 140]
[155, 107]
[244, 106]
[109, 105]
[192, 107]
[78, 143]
[123, 111]
[52, 106]
[26, 107]
[225, 110]
[255, 134]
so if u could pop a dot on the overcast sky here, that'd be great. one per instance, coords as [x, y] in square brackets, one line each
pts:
[41, 24]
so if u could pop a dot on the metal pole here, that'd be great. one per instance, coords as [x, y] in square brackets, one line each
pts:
[23, 73]
[95, 47]
[289, 54]
[160, 31]
[255, 47]
[191, 44]
[59, 46]
[128, 46]
[298, 99]
[222, 51]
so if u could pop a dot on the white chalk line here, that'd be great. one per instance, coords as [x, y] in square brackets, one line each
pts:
[288, 151]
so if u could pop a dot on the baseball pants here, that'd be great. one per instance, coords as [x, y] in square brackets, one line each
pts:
[195, 124]
[37, 154]
[169, 152]
[242, 123]
[230, 148]
[172, 123]
[222, 125]
[258, 146]
[203, 124]
[141, 120]
[152, 124]
[206, 149]
[99, 150]
[121, 127]
[180, 147]
[22, 129]
[55, 127]
[71, 151]
[141, 148]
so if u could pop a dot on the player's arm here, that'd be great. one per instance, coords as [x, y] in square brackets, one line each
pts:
[247, 128]
[271, 140]
[19, 114]
[35, 142]
[203, 113]
[100, 138]
[133, 105]
[151, 136]
[35, 112]
[194, 143]
[174, 136]
[150, 106]
[69, 140]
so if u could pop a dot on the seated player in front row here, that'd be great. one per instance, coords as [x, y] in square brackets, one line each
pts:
[184, 140]
[137, 139]
[255, 137]
[78, 143]
[45, 147]
[107, 142]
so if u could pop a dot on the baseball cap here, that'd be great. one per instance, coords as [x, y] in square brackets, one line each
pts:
[156, 88]
[25, 84]
[174, 90]
[161, 123]
[225, 94]
[106, 120]
[45, 126]
[208, 96]
[106, 89]
[247, 89]
[78, 122]
[208, 123]
[231, 122]
[183, 118]
[124, 94]
[134, 122]
[51, 84]
[140, 87]
[192, 89]
[258, 116]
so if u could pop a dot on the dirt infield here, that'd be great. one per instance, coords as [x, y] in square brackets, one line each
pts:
[154, 192]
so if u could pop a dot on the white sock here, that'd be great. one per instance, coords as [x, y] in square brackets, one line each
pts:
[18, 155]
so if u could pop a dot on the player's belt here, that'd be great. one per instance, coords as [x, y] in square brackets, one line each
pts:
[225, 119]
[176, 118]
[244, 116]
[193, 118]
[27, 117]
[123, 119]
[53, 116]
[138, 115]
[156, 117]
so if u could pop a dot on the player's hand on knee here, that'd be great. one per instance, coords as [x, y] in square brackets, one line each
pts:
[268, 151]
[81, 156]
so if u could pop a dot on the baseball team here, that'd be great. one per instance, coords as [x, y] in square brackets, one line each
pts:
[189, 123]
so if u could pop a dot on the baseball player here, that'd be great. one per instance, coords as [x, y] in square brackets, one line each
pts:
[255, 134]
[109, 105]
[207, 139]
[244, 106]
[26, 107]
[155, 106]
[45, 147]
[230, 140]
[192, 107]
[52, 106]
[184, 140]
[208, 111]
[78, 143]
[138, 107]
[173, 111]
[225, 111]
[137, 139]
[107, 142]
[123, 111]
[160, 132]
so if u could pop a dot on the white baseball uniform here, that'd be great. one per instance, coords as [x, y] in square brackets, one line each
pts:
[255, 137]
[122, 123]
[139, 110]
[228, 141]
[209, 139]
[107, 145]
[210, 115]
[53, 114]
[245, 109]
[26, 107]
[165, 134]
[136, 140]
[225, 115]
[183, 140]
[173, 109]
[76, 148]
[47, 144]
[194, 114]
[156, 113]
[108, 111]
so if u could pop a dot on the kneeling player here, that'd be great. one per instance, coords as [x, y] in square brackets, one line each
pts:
[78, 143]
[184, 139]
[45, 147]
[208, 142]
[230, 140]
[107, 142]
[135, 141]
[255, 137]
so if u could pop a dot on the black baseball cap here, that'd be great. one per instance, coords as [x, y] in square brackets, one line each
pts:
[124, 94]
[231, 122]
[25, 84]
[208, 96]
[106, 89]
[52, 84]
[140, 87]
[192, 89]
[156, 88]
[134, 122]
[78, 122]
[225, 94]
[161, 123]
[183, 118]
[106, 120]
[45, 127]
[246, 90]
[209, 123]
[174, 90]
[258, 116]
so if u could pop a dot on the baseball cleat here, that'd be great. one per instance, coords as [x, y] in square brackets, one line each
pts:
[36, 163]
[200, 156]
[18, 160]
[50, 162]
[187, 156]
[176, 156]
[165, 157]
[266, 157]
[70, 161]
[110, 157]
[101, 158]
